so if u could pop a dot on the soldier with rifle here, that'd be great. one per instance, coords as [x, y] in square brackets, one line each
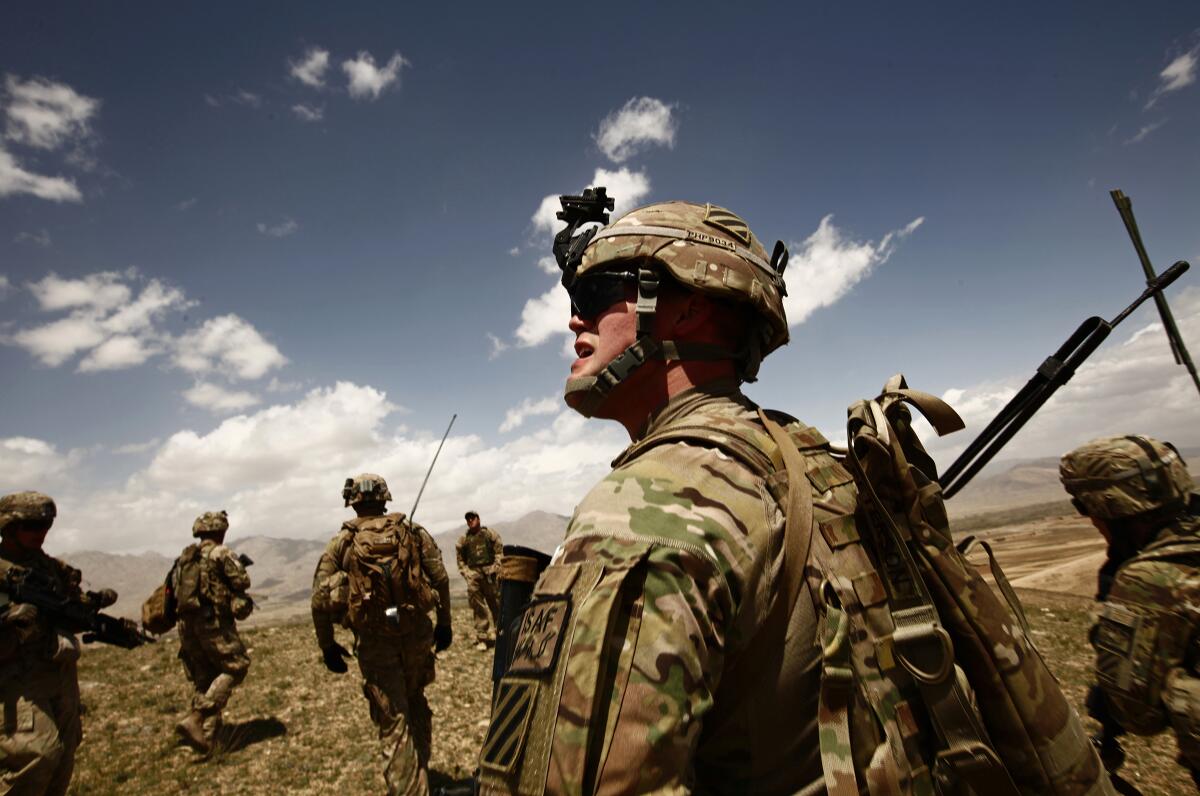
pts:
[42, 607]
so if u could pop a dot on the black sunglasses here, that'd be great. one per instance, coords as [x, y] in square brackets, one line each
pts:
[594, 293]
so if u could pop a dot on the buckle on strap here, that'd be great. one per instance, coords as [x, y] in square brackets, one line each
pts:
[922, 647]
[975, 765]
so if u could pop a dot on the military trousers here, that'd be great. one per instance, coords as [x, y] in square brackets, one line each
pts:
[483, 595]
[215, 662]
[40, 731]
[396, 667]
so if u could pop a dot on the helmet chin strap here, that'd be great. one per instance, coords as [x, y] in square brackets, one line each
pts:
[586, 394]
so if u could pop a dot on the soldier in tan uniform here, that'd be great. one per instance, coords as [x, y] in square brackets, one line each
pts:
[478, 552]
[39, 687]
[647, 661]
[1138, 493]
[380, 576]
[209, 583]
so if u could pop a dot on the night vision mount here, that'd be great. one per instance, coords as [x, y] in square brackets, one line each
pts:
[592, 206]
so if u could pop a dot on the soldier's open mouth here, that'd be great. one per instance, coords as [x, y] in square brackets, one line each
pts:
[583, 350]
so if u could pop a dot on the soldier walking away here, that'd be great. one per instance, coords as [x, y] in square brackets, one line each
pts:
[39, 686]
[209, 584]
[380, 576]
[1137, 492]
[678, 641]
[478, 552]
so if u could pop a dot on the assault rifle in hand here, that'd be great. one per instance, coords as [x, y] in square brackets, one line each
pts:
[35, 588]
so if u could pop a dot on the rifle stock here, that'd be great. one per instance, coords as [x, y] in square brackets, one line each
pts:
[36, 589]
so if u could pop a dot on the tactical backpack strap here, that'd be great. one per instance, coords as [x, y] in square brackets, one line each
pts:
[966, 547]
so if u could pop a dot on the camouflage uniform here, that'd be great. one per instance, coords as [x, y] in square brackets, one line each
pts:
[396, 660]
[213, 656]
[478, 553]
[1147, 637]
[39, 687]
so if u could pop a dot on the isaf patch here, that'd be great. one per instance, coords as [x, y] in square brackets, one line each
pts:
[1117, 629]
[510, 722]
[541, 635]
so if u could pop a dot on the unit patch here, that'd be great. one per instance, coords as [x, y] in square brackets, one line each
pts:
[510, 722]
[541, 635]
[728, 222]
[1116, 629]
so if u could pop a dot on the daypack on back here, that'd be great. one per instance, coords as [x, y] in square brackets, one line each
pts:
[189, 577]
[159, 610]
[930, 682]
[383, 563]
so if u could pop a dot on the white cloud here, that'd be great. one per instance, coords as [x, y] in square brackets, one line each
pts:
[1145, 131]
[248, 98]
[548, 264]
[45, 114]
[639, 123]
[230, 345]
[498, 346]
[368, 81]
[186, 204]
[54, 343]
[530, 407]
[310, 69]
[133, 448]
[827, 265]
[543, 317]
[308, 113]
[4, 285]
[1128, 387]
[514, 251]
[100, 291]
[117, 353]
[627, 188]
[40, 238]
[27, 463]
[1180, 73]
[275, 385]
[279, 471]
[280, 230]
[213, 397]
[15, 180]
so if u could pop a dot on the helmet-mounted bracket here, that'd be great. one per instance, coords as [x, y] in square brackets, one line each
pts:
[589, 207]
[779, 261]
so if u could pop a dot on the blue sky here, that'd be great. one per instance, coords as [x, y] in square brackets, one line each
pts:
[245, 253]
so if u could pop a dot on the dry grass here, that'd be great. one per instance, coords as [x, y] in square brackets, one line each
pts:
[295, 728]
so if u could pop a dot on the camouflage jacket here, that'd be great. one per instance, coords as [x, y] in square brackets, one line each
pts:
[225, 578]
[478, 550]
[34, 648]
[334, 566]
[1147, 636]
[627, 675]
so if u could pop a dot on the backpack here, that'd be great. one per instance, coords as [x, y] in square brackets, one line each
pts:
[159, 611]
[383, 565]
[198, 583]
[930, 682]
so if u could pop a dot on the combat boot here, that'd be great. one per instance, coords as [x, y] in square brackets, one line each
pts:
[191, 732]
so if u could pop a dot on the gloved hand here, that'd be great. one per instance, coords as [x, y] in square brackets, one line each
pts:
[102, 598]
[442, 637]
[335, 658]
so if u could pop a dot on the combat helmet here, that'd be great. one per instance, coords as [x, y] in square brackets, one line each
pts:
[32, 507]
[365, 487]
[702, 247]
[1116, 478]
[211, 522]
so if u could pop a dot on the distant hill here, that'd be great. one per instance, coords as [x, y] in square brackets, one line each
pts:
[281, 577]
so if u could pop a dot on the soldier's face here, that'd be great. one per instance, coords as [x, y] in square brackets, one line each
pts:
[473, 523]
[27, 536]
[600, 340]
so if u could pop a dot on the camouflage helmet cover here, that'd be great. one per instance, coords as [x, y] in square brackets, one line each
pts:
[1115, 478]
[211, 522]
[27, 507]
[704, 248]
[364, 487]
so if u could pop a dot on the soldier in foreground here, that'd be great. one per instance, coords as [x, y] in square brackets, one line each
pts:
[625, 677]
[380, 576]
[209, 584]
[478, 553]
[39, 686]
[1138, 493]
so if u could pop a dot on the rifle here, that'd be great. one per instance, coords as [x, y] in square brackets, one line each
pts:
[35, 588]
[1056, 371]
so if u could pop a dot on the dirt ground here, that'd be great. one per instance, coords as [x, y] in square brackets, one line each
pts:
[296, 728]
